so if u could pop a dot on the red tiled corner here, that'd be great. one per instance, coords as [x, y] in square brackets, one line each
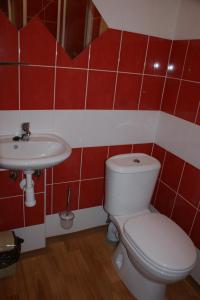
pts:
[142, 148]
[91, 193]
[64, 60]
[188, 101]
[35, 215]
[177, 58]
[9, 99]
[164, 200]
[8, 40]
[159, 153]
[183, 214]
[69, 170]
[105, 50]
[38, 46]
[152, 89]
[11, 213]
[93, 162]
[121, 149]
[189, 187]
[133, 52]
[60, 194]
[49, 173]
[128, 91]
[37, 88]
[101, 86]
[39, 182]
[157, 56]
[170, 95]
[172, 170]
[192, 64]
[70, 88]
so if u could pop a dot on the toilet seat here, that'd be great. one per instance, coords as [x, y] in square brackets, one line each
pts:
[160, 243]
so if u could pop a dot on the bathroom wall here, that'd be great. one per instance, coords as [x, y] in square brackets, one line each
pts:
[109, 79]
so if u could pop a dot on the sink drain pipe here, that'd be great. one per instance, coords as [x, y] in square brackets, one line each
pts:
[27, 185]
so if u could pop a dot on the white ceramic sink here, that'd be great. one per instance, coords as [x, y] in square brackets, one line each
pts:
[40, 152]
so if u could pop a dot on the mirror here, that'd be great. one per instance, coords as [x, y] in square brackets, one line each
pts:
[74, 23]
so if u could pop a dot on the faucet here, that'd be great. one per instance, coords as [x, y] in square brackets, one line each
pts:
[26, 129]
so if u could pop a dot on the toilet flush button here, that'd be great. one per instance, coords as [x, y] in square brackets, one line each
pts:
[137, 161]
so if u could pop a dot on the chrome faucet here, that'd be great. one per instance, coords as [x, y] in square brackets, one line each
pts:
[26, 129]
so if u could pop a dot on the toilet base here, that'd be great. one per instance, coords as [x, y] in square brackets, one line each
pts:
[141, 287]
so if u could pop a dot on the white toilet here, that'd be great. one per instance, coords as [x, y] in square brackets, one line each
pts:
[152, 251]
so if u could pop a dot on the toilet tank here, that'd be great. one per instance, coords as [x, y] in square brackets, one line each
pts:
[130, 182]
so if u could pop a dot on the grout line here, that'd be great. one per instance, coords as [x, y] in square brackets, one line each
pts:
[19, 71]
[132, 147]
[140, 95]
[161, 100]
[117, 71]
[55, 76]
[181, 79]
[152, 148]
[10, 197]
[87, 78]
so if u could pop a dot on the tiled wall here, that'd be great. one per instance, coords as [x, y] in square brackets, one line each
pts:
[120, 70]
[177, 193]
[83, 172]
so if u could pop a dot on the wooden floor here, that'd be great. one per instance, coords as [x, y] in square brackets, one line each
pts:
[78, 267]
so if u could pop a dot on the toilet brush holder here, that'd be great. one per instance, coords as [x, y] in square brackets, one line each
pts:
[67, 216]
[66, 219]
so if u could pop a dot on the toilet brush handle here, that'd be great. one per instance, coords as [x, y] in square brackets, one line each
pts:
[68, 199]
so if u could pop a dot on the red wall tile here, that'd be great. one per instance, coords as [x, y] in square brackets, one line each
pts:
[192, 65]
[188, 101]
[143, 148]
[11, 213]
[133, 51]
[123, 149]
[37, 94]
[101, 86]
[195, 231]
[60, 194]
[35, 215]
[189, 187]
[69, 170]
[38, 46]
[93, 162]
[152, 89]
[105, 50]
[64, 60]
[157, 56]
[49, 199]
[9, 99]
[8, 40]
[177, 58]
[170, 95]
[128, 91]
[9, 187]
[91, 193]
[172, 170]
[183, 214]
[165, 199]
[70, 88]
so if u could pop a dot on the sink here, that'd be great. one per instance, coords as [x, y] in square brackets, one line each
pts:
[40, 152]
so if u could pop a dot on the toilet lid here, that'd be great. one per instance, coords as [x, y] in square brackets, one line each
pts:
[161, 241]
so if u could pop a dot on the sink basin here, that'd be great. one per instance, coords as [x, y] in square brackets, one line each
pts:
[40, 152]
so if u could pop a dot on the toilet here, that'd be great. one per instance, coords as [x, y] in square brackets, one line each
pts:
[152, 251]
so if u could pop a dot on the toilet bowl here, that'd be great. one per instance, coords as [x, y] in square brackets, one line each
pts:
[152, 251]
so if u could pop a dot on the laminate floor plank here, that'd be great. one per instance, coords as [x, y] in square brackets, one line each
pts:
[77, 266]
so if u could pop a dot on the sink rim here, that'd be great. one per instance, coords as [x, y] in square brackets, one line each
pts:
[34, 163]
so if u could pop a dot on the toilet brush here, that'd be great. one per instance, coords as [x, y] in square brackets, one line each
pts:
[67, 216]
